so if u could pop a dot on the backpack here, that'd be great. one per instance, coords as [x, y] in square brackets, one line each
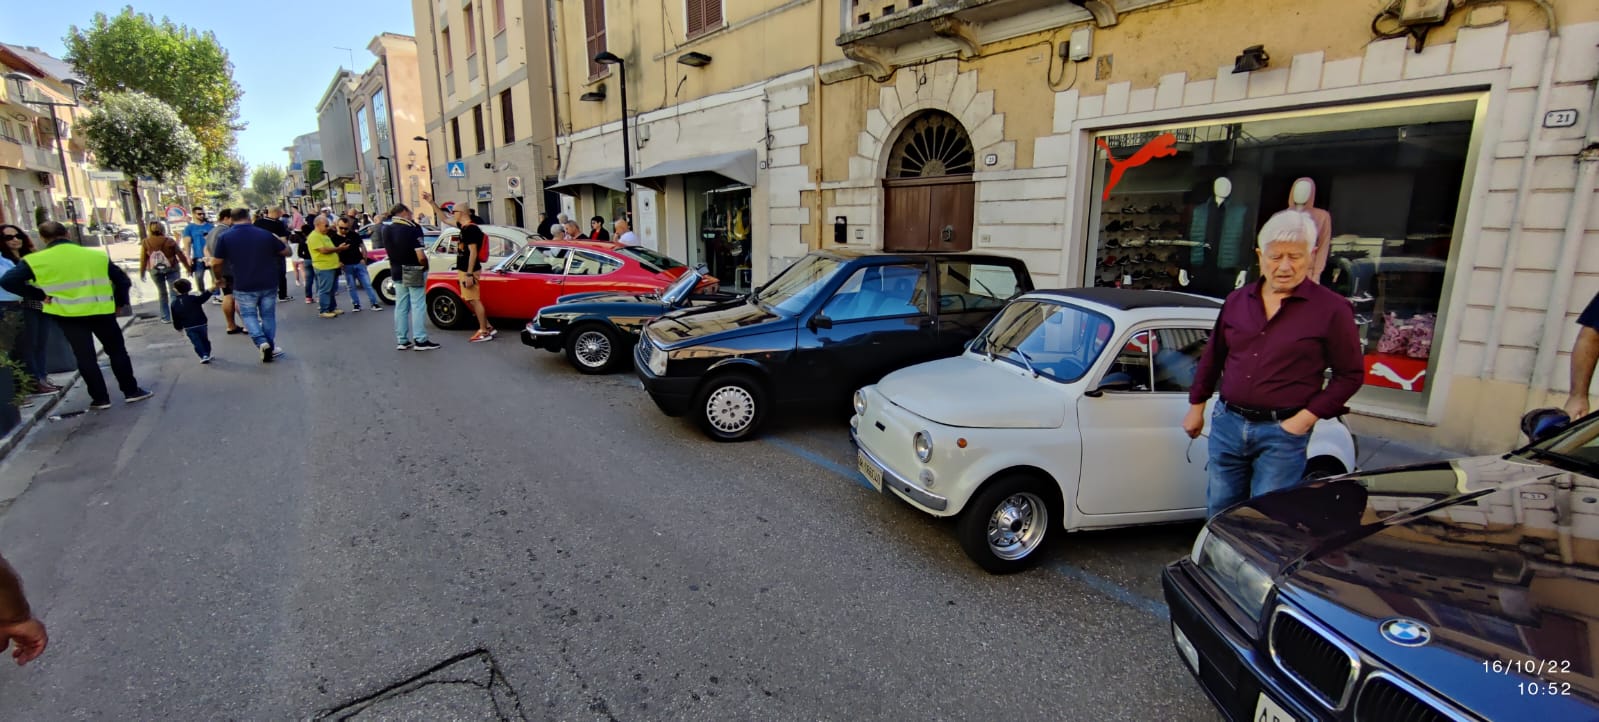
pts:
[483, 250]
[159, 262]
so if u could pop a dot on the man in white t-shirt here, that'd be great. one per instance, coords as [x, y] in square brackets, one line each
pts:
[624, 232]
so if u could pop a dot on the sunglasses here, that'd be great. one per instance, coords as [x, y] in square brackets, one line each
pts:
[10, 235]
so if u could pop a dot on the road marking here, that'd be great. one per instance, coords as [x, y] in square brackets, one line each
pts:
[1086, 578]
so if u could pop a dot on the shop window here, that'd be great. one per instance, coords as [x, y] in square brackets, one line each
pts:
[1178, 208]
[719, 216]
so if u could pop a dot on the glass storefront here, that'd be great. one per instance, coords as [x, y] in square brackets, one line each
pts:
[1178, 208]
[719, 228]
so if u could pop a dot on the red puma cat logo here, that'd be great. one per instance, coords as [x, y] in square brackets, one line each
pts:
[1161, 146]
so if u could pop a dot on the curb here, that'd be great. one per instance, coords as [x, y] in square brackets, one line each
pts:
[42, 410]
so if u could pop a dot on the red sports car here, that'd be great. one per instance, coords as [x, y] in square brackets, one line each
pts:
[517, 287]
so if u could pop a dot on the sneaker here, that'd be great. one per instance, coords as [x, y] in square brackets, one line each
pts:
[99, 405]
[338, 312]
[426, 346]
[138, 396]
[377, 307]
[277, 351]
[235, 331]
[404, 346]
[45, 387]
[357, 309]
[328, 314]
[205, 359]
[309, 301]
[493, 332]
[480, 337]
[266, 352]
[282, 299]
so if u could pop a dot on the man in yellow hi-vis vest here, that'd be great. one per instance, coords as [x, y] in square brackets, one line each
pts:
[81, 289]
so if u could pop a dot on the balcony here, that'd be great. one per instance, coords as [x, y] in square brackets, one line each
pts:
[11, 154]
[14, 104]
[875, 30]
[42, 159]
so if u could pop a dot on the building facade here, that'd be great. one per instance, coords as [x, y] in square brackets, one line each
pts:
[1450, 161]
[486, 78]
[296, 183]
[336, 132]
[385, 109]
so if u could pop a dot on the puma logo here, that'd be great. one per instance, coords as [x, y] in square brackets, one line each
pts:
[1381, 370]
[1161, 146]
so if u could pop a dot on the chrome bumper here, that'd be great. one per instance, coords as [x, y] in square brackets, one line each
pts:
[892, 480]
[534, 330]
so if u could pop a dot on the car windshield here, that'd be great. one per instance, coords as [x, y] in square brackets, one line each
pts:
[654, 262]
[1575, 449]
[797, 284]
[1053, 339]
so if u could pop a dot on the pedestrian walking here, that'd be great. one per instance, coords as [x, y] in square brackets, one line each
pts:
[34, 334]
[473, 251]
[256, 257]
[161, 261]
[352, 255]
[597, 230]
[195, 233]
[188, 316]
[82, 290]
[272, 220]
[304, 275]
[19, 629]
[325, 262]
[222, 271]
[624, 232]
[409, 263]
[1270, 350]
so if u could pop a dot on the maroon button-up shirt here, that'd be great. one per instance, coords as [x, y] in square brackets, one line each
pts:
[1280, 364]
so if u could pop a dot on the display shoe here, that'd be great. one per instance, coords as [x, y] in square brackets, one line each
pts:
[1113, 226]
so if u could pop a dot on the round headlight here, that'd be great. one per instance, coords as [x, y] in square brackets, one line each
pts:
[860, 401]
[923, 443]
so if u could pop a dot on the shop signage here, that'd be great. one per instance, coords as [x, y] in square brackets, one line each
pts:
[109, 176]
[456, 169]
[485, 193]
[1563, 118]
[352, 196]
[1161, 146]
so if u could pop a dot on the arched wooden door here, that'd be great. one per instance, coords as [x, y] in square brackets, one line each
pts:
[929, 197]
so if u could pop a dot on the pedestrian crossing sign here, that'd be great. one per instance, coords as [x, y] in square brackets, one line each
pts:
[456, 169]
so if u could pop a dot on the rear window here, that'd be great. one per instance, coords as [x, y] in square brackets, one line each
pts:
[975, 286]
[651, 260]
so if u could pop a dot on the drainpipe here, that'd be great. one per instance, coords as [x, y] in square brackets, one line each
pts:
[1570, 247]
[555, 93]
[444, 138]
[1507, 264]
[488, 96]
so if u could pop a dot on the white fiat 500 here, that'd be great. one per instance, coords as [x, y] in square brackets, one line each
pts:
[1064, 415]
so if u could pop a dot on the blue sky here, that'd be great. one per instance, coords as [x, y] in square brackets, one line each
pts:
[284, 53]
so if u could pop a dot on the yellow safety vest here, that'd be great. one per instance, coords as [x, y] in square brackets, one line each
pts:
[75, 278]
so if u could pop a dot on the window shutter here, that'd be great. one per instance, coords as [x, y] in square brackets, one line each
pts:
[713, 13]
[696, 16]
[594, 16]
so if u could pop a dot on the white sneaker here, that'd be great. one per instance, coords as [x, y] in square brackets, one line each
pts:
[205, 359]
[266, 352]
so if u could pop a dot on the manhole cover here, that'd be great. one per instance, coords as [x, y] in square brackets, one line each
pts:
[467, 687]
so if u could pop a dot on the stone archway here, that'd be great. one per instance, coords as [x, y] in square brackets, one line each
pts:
[929, 200]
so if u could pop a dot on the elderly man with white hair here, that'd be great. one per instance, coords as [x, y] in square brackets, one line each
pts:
[1273, 343]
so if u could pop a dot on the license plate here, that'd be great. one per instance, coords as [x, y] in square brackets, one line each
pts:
[1268, 711]
[869, 470]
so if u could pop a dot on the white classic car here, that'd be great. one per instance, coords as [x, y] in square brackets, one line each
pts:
[504, 242]
[1064, 414]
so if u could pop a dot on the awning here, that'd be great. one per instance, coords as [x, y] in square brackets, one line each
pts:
[575, 184]
[738, 166]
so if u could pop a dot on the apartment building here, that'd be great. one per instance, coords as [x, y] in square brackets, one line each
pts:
[336, 131]
[386, 110]
[485, 73]
[296, 174]
[1450, 158]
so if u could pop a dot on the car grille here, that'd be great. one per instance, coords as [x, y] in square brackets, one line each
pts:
[1384, 700]
[1313, 659]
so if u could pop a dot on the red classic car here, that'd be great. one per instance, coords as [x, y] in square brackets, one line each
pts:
[517, 287]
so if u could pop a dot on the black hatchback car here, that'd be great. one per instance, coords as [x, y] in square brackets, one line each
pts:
[1459, 590]
[597, 330]
[833, 321]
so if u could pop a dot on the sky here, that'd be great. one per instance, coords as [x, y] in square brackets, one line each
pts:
[284, 52]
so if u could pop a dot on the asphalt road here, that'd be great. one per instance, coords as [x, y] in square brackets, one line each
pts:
[482, 533]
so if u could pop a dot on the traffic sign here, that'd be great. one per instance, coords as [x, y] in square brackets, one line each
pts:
[456, 169]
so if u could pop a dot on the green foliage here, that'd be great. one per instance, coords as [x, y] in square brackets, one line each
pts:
[216, 180]
[139, 135]
[313, 171]
[266, 186]
[21, 382]
[185, 68]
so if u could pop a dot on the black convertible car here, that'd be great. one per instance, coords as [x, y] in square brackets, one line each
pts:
[1460, 590]
[598, 330]
[830, 323]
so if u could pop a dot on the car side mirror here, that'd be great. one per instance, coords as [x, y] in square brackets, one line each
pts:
[1540, 424]
[820, 320]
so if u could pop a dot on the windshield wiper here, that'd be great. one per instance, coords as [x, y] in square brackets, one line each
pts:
[1027, 360]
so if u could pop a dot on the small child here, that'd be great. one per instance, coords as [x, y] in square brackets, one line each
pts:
[188, 316]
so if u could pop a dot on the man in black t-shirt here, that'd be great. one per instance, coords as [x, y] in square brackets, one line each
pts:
[468, 266]
[403, 240]
[352, 255]
[272, 220]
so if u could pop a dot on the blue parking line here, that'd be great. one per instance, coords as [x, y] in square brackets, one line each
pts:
[1089, 579]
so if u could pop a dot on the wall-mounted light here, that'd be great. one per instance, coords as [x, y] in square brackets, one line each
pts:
[694, 59]
[1253, 58]
[596, 95]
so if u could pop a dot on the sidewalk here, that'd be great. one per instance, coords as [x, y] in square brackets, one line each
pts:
[39, 407]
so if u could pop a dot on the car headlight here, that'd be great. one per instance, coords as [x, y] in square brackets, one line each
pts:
[1238, 576]
[860, 401]
[657, 360]
[923, 443]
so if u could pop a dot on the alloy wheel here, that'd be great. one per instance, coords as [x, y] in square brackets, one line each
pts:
[1017, 526]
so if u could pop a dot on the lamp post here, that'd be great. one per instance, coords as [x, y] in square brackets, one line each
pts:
[609, 58]
[433, 183]
[388, 169]
[22, 80]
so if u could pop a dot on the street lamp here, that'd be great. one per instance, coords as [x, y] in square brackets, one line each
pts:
[388, 169]
[22, 80]
[433, 183]
[609, 58]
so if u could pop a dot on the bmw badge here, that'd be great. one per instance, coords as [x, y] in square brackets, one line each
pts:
[1406, 632]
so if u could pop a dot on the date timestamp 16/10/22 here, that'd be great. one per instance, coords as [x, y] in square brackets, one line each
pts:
[1533, 668]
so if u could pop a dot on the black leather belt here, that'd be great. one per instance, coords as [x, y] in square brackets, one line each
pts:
[1258, 415]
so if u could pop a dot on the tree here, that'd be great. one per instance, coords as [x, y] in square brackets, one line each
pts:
[140, 136]
[266, 186]
[183, 68]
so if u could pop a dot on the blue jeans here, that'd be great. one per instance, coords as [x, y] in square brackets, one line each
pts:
[410, 314]
[201, 338]
[356, 277]
[162, 283]
[325, 285]
[258, 311]
[1250, 458]
[32, 344]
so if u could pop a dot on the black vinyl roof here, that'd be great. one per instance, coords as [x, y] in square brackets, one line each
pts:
[1127, 299]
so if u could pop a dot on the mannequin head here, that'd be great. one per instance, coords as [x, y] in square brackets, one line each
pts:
[1304, 188]
[1222, 188]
